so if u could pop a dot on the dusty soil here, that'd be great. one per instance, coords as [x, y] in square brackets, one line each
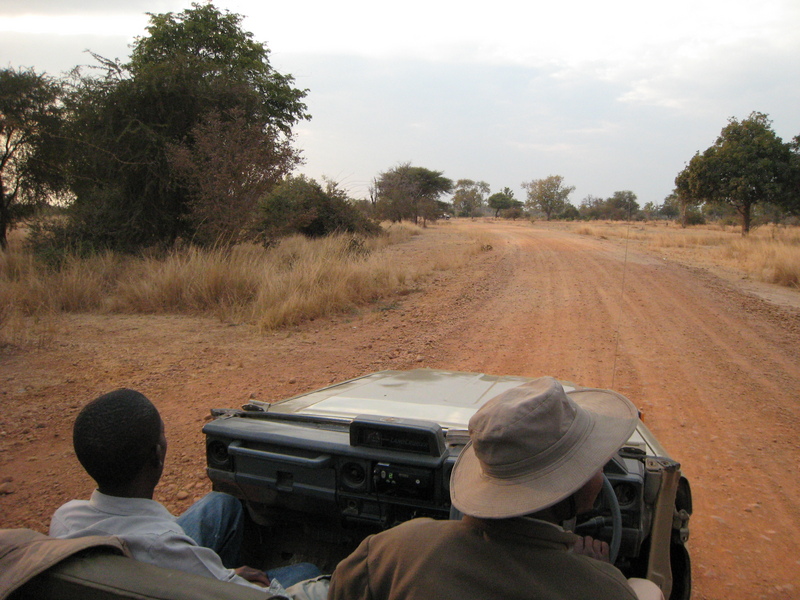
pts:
[714, 366]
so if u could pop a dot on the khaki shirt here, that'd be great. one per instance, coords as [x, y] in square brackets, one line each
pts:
[519, 558]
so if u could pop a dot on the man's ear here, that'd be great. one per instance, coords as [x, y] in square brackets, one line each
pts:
[157, 456]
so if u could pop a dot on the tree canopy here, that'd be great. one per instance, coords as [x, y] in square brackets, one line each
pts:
[747, 164]
[548, 195]
[503, 200]
[412, 193]
[31, 148]
[469, 197]
[198, 95]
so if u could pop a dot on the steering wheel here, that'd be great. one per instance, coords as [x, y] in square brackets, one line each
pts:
[616, 519]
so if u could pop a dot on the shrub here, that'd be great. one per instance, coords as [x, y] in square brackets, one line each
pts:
[695, 217]
[301, 205]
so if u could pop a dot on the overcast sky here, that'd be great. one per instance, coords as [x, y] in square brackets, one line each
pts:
[614, 95]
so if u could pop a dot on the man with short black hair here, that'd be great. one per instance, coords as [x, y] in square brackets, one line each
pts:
[119, 439]
[534, 459]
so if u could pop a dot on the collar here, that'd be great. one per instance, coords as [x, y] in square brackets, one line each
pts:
[525, 527]
[117, 505]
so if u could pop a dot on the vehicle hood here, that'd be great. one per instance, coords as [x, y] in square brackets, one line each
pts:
[448, 398]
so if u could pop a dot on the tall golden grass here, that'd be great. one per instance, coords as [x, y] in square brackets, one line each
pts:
[769, 253]
[296, 280]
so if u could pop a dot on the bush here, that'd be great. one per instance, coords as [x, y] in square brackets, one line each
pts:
[301, 205]
[570, 213]
[695, 217]
[512, 213]
[86, 228]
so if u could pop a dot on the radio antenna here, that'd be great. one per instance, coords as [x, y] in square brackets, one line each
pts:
[621, 295]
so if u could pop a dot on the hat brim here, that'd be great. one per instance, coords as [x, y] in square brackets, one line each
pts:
[613, 420]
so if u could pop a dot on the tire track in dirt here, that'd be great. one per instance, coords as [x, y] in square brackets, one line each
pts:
[715, 370]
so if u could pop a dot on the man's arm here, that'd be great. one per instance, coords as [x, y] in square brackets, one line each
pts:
[182, 553]
[253, 575]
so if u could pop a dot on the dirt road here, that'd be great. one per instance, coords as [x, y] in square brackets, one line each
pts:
[715, 370]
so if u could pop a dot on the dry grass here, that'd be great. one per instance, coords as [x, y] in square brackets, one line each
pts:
[769, 253]
[296, 280]
[766, 260]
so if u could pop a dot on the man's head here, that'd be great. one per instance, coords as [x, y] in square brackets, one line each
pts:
[535, 445]
[118, 435]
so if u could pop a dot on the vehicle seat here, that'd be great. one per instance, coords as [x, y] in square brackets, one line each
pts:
[34, 566]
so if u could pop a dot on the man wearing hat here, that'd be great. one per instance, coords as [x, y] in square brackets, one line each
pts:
[534, 459]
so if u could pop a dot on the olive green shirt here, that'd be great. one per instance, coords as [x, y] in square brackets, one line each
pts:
[520, 558]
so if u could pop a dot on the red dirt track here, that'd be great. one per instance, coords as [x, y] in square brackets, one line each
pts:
[715, 369]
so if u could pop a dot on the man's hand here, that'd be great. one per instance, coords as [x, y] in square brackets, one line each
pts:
[588, 546]
[253, 575]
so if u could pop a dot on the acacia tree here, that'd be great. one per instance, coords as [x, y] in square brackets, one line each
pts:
[30, 144]
[144, 132]
[548, 195]
[407, 192]
[470, 197]
[503, 200]
[747, 164]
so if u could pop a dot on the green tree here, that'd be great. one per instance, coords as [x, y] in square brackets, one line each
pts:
[31, 148]
[570, 213]
[301, 205]
[407, 192]
[622, 206]
[503, 200]
[671, 207]
[792, 203]
[548, 195]
[469, 197]
[142, 131]
[684, 197]
[747, 164]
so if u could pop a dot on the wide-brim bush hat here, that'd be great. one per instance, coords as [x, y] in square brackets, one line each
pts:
[535, 445]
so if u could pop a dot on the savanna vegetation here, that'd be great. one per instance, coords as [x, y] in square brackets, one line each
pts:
[296, 279]
[769, 254]
[166, 184]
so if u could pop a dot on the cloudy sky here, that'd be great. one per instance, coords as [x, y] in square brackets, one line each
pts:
[614, 95]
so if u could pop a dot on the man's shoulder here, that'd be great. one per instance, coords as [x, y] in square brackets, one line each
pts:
[71, 505]
[148, 522]
[419, 532]
[421, 525]
[58, 522]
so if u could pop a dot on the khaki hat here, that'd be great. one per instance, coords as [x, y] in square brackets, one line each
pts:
[534, 445]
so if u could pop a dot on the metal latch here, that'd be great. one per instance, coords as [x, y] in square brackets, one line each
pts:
[680, 524]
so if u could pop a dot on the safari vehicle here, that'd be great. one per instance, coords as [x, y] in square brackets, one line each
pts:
[320, 471]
